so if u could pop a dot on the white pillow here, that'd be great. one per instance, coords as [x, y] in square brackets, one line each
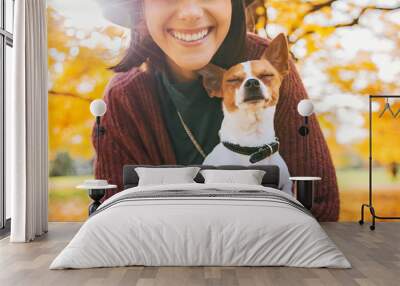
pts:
[248, 177]
[162, 176]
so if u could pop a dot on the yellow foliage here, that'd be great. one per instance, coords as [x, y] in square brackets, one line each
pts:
[70, 125]
[386, 136]
[260, 11]
[78, 75]
[347, 84]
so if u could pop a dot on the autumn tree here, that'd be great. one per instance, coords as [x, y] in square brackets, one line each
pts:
[79, 70]
[339, 79]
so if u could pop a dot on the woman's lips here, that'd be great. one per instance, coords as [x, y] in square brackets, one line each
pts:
[190, 37]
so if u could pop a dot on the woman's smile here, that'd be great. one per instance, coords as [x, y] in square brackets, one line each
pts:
[190, 37]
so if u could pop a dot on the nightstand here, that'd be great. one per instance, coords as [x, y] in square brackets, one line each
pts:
[304, 190]
[97, 190]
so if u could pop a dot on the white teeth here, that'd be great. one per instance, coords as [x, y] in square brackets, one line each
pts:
[189, 37]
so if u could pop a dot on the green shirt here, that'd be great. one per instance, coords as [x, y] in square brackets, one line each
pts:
[203, 116]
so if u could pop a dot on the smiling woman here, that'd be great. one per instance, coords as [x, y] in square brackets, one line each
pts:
[189, 33]
[159, 112]
[150, 29]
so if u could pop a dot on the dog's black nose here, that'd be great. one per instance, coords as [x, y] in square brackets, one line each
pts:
[252, 91]
[252, 83]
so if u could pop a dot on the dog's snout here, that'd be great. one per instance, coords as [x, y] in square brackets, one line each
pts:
[252, 91]
[252, 83]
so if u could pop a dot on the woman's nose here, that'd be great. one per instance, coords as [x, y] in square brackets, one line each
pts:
[190, 11]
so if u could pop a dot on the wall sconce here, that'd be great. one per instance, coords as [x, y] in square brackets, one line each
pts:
[305, 109]
[98, 108]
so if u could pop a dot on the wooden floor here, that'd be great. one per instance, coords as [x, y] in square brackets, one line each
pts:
[375, 257]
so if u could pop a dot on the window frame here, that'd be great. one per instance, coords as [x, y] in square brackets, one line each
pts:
[6, 39]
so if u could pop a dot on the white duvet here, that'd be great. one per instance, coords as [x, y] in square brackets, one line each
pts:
[183, 231]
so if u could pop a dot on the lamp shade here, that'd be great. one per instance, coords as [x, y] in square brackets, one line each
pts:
[305, 107]
[98, 107]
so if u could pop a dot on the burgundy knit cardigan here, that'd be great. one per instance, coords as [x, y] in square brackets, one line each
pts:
[136, 132]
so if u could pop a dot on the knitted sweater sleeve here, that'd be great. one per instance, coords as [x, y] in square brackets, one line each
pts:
[306, 156]
[117, 145]
[135, 132]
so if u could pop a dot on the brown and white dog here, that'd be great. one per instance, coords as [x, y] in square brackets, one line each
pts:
[250, 92]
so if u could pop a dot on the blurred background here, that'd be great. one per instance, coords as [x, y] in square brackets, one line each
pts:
[345, 50]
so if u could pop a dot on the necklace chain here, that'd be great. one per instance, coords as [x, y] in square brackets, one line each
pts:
[191, 136]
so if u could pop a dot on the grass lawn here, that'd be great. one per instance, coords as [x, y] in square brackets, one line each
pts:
[357, 179]
[353, 186]
[66, 203]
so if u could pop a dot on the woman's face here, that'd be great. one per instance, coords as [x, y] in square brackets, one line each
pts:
[189, 32]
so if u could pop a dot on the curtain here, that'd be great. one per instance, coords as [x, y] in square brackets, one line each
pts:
[26, 117]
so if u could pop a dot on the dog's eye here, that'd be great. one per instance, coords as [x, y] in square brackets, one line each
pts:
[266, 76]
[234, 80]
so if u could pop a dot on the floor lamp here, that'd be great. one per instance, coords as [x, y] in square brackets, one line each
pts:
[304, 185]
[97, 188]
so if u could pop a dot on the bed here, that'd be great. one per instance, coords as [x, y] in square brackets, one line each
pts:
[197, 224]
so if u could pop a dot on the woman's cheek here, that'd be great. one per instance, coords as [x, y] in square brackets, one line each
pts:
[154, 18]
[224, 14]
[155, 11]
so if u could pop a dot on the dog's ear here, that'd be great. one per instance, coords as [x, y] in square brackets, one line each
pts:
[277, 53]
[212, 79]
